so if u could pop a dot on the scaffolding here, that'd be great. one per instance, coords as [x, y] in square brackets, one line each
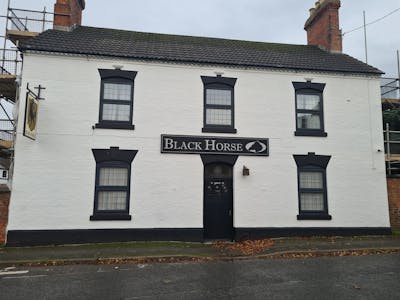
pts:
[390, 88]
[20, 25]
[392, 151]
[390, 94]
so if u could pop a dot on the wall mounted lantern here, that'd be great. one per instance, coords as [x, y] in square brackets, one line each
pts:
[246, 171]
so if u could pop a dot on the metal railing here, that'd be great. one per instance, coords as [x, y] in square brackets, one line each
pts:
[29, 20]
[25, 21]
[392, 151]
[11, 62]
[390, 88]
[7, 130]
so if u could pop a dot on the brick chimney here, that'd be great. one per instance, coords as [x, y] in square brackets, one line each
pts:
[323, 26]
[68, 14]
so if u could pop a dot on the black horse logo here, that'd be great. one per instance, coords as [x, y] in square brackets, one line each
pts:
[256, 147]
[32, 113]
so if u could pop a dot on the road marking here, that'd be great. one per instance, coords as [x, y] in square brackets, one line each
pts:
[14, 272]
[23, 277]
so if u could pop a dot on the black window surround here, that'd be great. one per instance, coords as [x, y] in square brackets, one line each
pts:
[312, 164]
[112, 158]
[222, 84]
[116, 77]
[312, 89]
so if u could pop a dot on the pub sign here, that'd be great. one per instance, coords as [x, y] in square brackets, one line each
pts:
[188, 144]
[31, 113]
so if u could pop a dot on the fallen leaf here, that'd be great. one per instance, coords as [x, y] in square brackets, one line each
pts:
[247, 247]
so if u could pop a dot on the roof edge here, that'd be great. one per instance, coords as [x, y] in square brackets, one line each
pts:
[377, 73]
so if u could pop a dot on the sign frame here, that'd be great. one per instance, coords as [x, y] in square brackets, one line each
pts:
[30, 98]
[244, 141]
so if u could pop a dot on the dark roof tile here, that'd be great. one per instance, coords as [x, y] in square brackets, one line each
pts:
[189, 49]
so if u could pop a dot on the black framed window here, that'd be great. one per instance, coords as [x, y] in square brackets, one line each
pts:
[309, 109]
[116, 99]
[219, 112]
[312, 187]
[112, 184]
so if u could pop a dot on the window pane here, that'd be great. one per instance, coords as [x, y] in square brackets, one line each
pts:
[116, 112]
[112, 201]
[308, 102]
[113, 177]
[311, 180]
[311, 201]
[218, 97]
[117, 91]
[218, 116]
[218, 171]
[308, 121]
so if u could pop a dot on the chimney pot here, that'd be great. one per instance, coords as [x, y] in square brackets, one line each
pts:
[312, 10]
[317, 4]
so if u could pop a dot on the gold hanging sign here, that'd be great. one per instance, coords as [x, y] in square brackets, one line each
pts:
[31, 113]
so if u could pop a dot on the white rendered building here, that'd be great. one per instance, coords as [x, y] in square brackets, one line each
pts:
[146, 136]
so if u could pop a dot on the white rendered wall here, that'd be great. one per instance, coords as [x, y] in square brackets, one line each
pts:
[53, 184]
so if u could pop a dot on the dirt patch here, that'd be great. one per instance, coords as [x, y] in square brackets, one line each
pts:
[248, 247]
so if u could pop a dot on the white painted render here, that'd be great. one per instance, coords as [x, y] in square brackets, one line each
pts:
[54, 176]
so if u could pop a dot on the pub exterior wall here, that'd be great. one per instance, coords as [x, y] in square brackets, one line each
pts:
[53, 185]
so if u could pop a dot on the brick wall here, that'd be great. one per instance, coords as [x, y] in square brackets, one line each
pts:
[323, 27]
[394, 202]
[68, 13]
[4, 202]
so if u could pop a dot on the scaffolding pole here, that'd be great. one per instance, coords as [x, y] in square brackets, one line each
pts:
[389, 167]
[5, 38]
[398, 73]
[365, 39]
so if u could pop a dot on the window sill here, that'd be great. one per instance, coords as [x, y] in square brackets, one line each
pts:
[114, 125]
[314, 216]
[110, 217]
[317, 133]
[219, 129]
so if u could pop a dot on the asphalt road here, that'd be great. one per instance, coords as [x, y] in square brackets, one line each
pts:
[362, 277]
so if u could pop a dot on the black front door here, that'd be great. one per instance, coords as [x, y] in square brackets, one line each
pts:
[218, 203]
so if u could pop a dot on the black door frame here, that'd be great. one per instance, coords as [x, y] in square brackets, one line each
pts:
[229, 160]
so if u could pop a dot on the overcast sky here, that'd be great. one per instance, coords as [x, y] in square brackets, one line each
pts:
[256, 20]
